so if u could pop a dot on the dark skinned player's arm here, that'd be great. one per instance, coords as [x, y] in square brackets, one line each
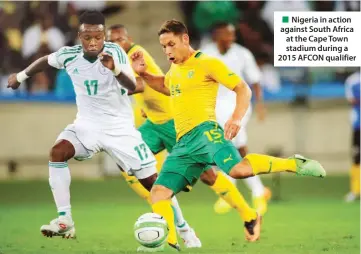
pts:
[126, 81]
[139, 87]
[157, 83]
[38, 65]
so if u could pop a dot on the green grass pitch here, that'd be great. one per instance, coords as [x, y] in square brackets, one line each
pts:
[311, 218]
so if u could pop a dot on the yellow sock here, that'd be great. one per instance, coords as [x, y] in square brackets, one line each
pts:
[165, 209]
[229, 192]
[355, 179]
[262, 164]
[137, 186]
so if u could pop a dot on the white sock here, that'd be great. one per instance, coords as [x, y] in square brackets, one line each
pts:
[59, 180]
[180, 221]
[231, 179]
[255, 185]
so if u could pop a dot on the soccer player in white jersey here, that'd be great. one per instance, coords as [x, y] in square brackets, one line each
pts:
[102, 77]
[241, 61]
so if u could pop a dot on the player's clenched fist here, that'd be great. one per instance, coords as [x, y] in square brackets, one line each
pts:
[13, 82]
[107, 60]
[231, 128]
[138, 63]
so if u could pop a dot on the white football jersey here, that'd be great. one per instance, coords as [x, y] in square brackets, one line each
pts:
[241, 61]
[101, 100]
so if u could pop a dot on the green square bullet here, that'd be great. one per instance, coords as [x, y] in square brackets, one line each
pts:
[285, 19]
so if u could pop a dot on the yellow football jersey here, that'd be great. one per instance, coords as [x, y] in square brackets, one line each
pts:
[156, 105]
[193, 87]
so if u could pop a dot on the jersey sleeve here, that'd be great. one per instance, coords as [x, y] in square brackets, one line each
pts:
[60, 58]
[121, 60]
[221, 73]
[251, 73]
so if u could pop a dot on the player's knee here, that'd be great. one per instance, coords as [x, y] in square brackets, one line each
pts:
[209, 177]
[62, 151]
[243, 151]
[241, 170]
[159, 193]
[149, 181]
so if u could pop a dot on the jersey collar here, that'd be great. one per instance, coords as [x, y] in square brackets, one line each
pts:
[131, 47]
[92, 59]
[193, 57]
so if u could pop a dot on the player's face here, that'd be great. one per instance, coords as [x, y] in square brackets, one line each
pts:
[176, 47]
[225, 36]
[92, 39]
[120, 37]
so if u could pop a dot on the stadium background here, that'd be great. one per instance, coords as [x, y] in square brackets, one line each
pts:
[307, 113]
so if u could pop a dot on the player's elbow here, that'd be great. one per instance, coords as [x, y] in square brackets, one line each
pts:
[243, 90]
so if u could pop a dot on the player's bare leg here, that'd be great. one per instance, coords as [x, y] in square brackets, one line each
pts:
[59, 180]
[260, 194]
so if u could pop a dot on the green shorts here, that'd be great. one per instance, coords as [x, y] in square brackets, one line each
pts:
[158, 136]
[195, 152]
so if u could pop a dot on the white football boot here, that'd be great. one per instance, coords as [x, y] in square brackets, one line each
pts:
[189, 237]
[62, 226]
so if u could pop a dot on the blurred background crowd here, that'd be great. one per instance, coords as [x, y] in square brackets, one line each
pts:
[29, 30]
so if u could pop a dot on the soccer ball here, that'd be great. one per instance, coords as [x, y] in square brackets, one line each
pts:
[151, 230]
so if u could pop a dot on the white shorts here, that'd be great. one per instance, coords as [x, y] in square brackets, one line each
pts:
[126, 148]
[224, 112]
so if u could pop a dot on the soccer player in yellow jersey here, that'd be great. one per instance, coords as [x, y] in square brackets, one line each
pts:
[192, 84]
[159, 133]
[158, 130]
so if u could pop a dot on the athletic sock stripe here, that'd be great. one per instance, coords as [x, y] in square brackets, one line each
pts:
[181, 226]
[58, 167]
[58, 164]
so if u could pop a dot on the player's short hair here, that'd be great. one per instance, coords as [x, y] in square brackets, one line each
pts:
[219, 25]
[116, 26]
[92, 18]
[173, 26]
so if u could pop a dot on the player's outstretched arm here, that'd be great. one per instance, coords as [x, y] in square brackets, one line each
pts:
[37, 66]
[155, 82]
